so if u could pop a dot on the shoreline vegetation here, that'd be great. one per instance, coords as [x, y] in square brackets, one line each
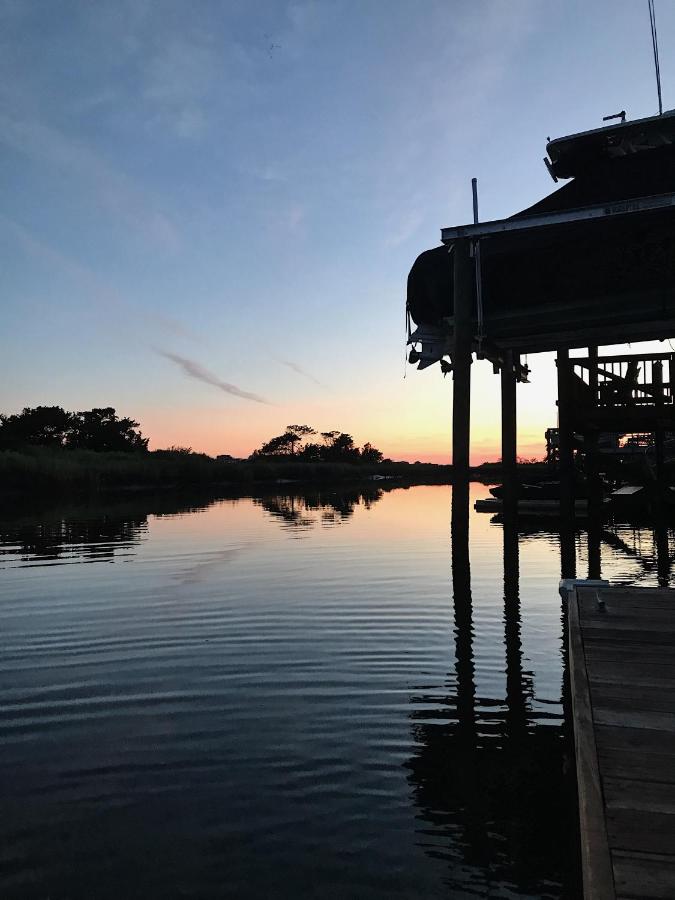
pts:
[49, 451]
[35, 470]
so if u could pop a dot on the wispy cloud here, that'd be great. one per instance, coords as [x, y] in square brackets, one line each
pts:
[195, 370]
[300, 371]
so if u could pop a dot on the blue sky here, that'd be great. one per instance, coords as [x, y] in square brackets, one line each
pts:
[221, 189]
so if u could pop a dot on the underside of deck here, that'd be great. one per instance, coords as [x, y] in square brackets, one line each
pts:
[622, 664]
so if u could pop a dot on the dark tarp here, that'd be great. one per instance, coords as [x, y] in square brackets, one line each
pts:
[571, 265]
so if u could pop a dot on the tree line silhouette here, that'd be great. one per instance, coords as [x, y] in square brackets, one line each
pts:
[102, 429]
[53, 426]
[335, 446]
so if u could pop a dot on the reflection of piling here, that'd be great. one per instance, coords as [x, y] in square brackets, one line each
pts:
[461, 588]
[568, 552]
[662, 552]
[594, 543]
[516, 716]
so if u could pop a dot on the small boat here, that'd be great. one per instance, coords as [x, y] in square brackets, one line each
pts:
[546, 490]
[576, 154]
[543, 490]
[543, 507]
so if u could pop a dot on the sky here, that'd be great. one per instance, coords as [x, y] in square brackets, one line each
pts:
[209, 209]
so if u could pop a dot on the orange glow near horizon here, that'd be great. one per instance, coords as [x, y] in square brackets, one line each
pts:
[407, 420]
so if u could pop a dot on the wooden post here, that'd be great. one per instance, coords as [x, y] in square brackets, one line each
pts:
[461, 361]
[566, 436]
[509, 425]
[593, 470]
[657, 383]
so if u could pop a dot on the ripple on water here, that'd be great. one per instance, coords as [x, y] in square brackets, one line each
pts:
[200, 705]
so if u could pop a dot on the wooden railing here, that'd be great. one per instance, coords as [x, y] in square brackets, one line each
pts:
[628, 381]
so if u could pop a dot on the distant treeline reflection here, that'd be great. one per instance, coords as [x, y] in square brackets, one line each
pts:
[100, 531]
[327, 508]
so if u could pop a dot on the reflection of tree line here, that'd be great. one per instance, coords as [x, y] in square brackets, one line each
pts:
[97, 538]
[303, 511]
[495, 795]
[100, 530]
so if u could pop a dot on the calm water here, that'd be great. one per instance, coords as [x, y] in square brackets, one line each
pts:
[278, 697]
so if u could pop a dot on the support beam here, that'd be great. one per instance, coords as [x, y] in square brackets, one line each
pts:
[509, 425]
[461, 361]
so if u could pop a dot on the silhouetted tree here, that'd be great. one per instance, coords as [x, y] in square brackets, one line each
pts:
[48, 426]
[101, 429]
[300, 432]
[370, 454]
[337, 447]
[312, 452]
[281, 445]
[342, 448]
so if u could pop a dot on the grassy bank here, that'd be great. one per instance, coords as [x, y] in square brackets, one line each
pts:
[40, 470]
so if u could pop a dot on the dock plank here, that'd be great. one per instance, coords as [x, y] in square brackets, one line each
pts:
[622, 668]
[641, 876]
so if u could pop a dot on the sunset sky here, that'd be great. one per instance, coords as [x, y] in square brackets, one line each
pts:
[210, 208]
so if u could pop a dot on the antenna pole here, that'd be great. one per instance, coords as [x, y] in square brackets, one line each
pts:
[655, 47]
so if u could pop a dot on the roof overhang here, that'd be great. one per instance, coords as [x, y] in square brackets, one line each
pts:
[543, 220]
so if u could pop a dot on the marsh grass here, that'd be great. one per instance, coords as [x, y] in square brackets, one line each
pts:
[42, 469]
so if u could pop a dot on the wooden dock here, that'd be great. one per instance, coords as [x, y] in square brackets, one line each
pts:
[622, 666]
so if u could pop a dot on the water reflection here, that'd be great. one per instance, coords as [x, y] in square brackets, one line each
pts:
[489, 776]
[371, 710]
[301, 512]
[105, 531]
[624, 551]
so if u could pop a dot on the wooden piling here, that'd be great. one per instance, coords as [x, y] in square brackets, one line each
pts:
[461, 361]
[509, 430]
[566, 433]
[657, 380]
[593, 470]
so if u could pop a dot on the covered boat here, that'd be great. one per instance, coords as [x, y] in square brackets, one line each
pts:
[596, 256]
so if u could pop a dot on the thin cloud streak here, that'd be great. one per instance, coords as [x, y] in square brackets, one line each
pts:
[194, 370]
[300, 371]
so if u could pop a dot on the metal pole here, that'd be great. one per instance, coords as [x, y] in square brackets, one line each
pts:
[479, 273]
